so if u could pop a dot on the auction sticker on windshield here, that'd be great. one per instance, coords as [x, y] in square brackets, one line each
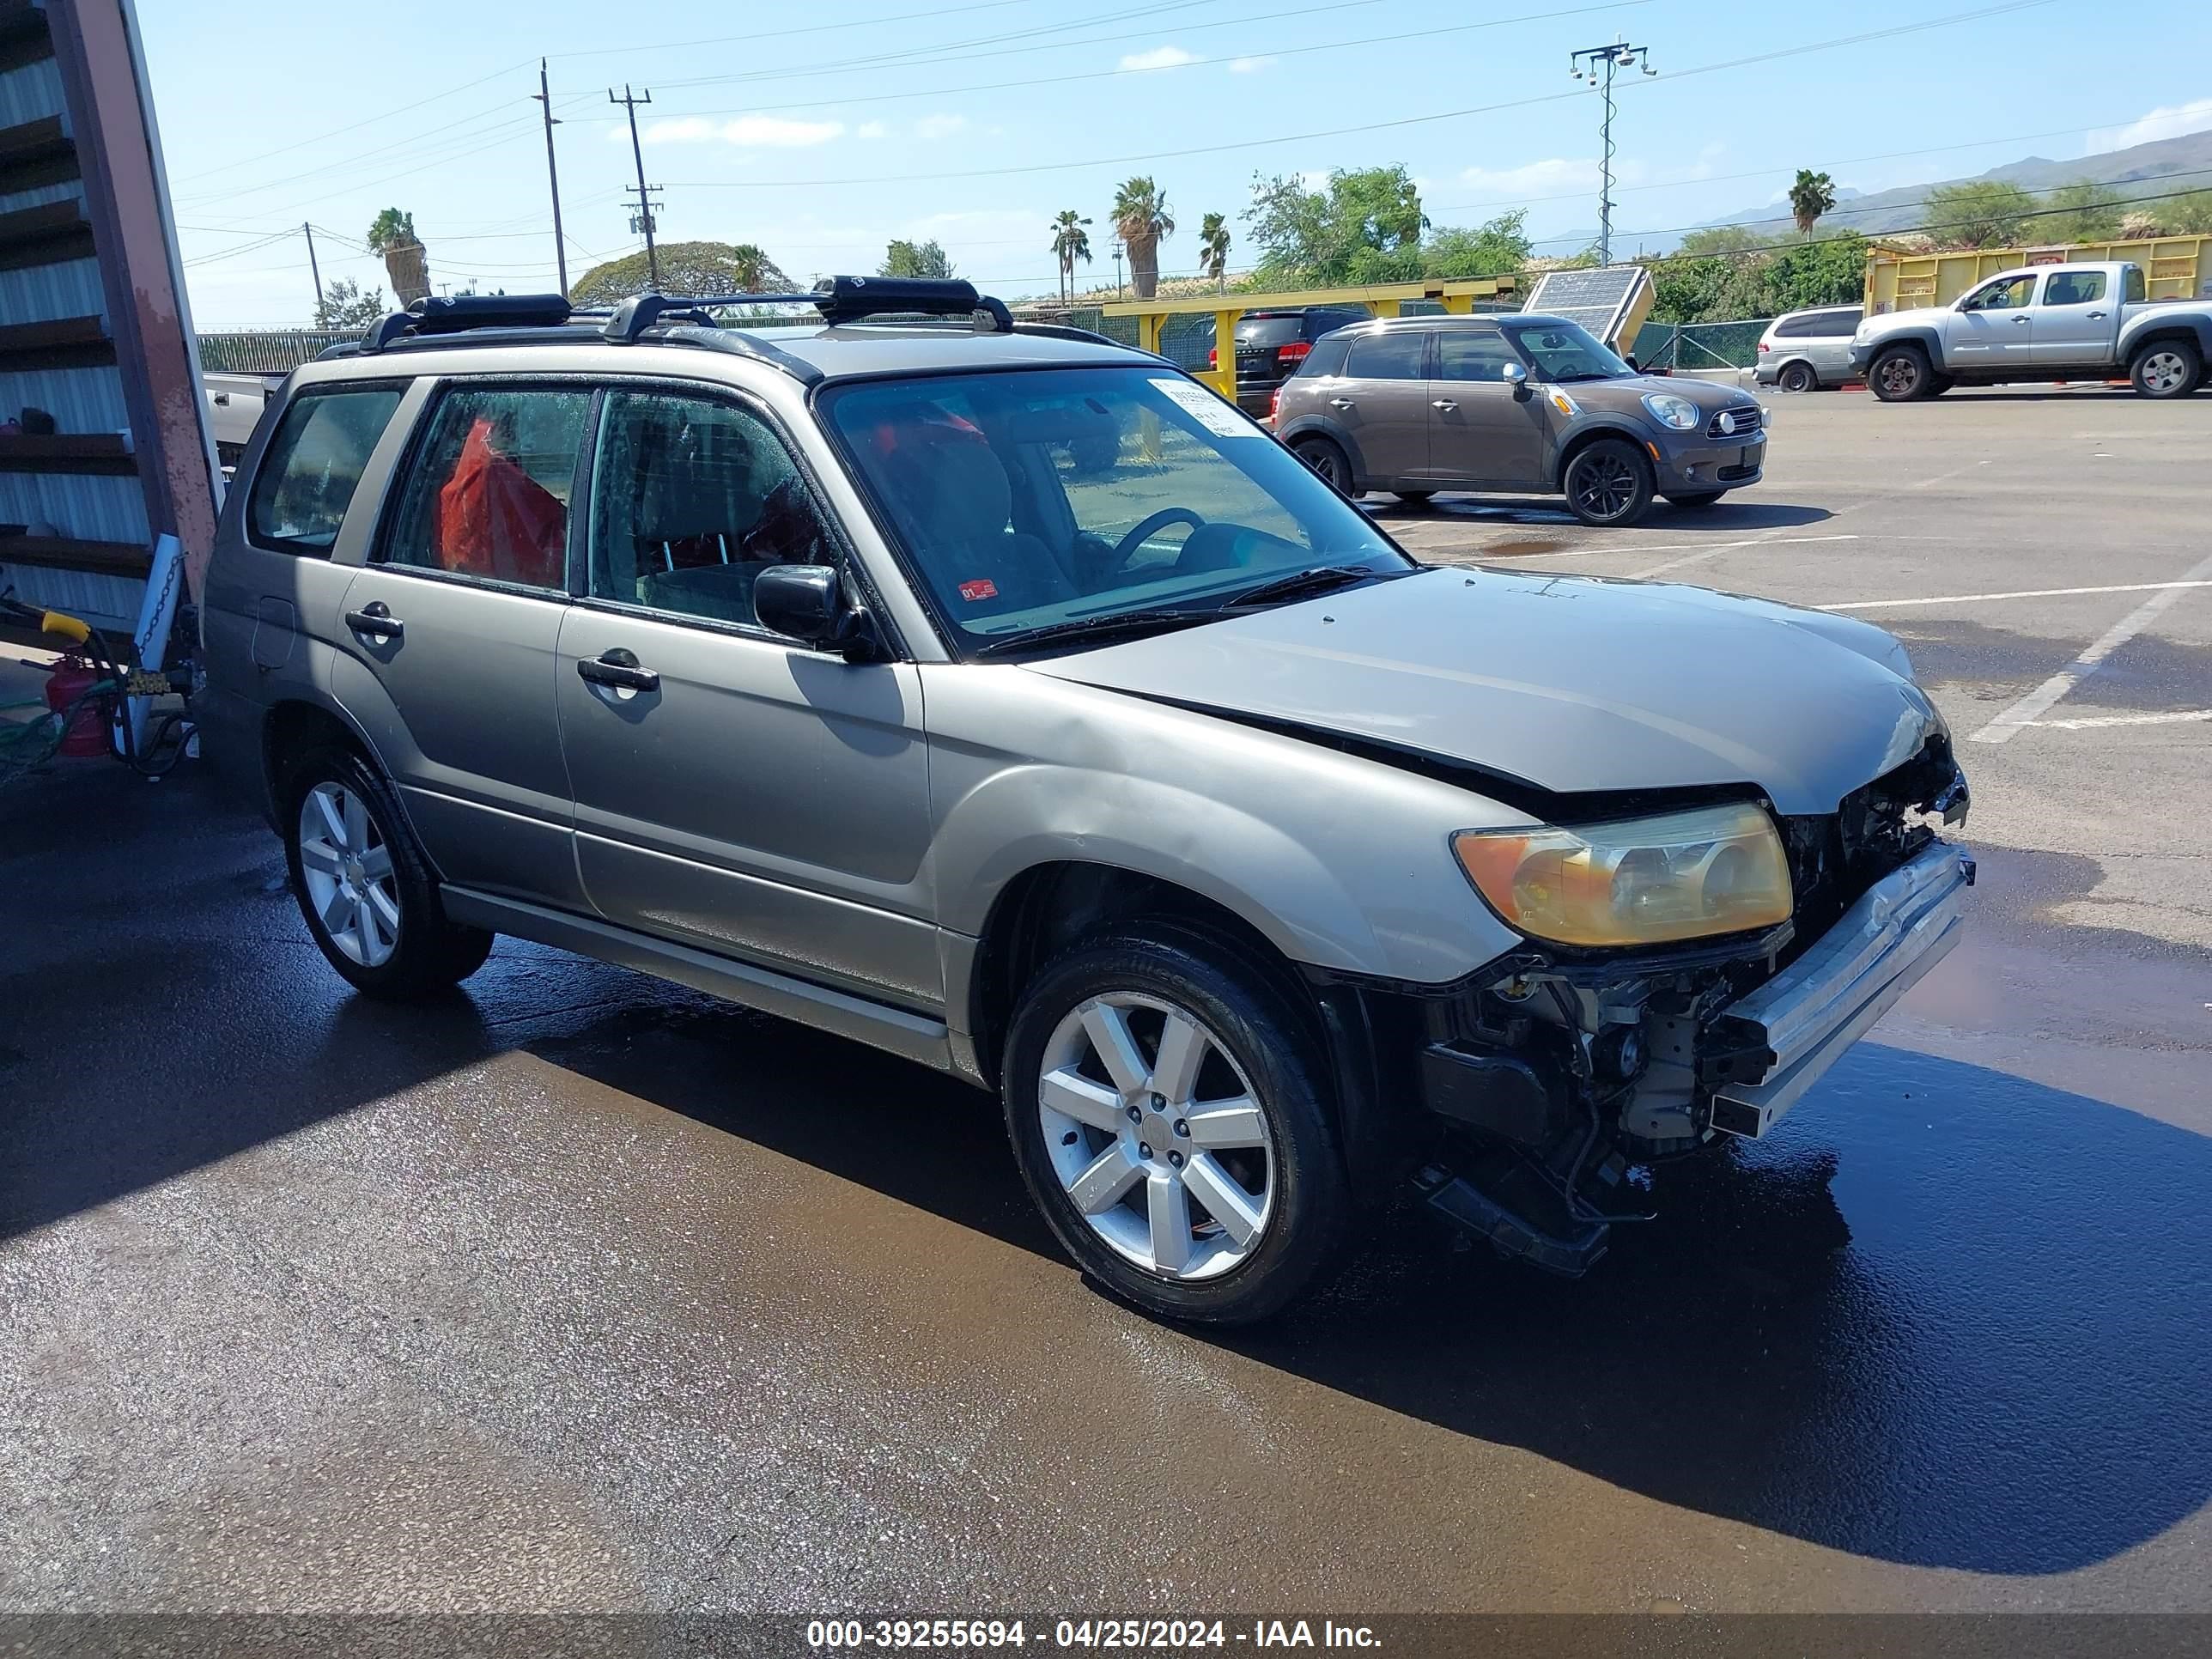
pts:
[1213, 415]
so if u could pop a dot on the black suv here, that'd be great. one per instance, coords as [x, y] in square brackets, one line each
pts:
[1271, 345]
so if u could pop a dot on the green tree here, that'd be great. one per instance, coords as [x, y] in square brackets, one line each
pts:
[1491, 249]
[1758, 281]
[391, 234]
[2190, 215]
[393, 228]
[1364, 226]
[1813, 195]
[2085, 211]
[1213, 250]
[1071, 242]
[345, 304]
[1724, 238]
[1979, 213]
[695, 269]
[1142, 220]
[915, 259]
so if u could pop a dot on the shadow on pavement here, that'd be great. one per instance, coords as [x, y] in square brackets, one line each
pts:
[1732, 514]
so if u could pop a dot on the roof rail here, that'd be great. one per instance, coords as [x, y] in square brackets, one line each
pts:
[454, 313]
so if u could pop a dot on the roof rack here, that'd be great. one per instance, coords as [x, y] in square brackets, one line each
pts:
[456, 314]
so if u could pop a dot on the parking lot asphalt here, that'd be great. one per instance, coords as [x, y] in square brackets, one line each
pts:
[579, 1290]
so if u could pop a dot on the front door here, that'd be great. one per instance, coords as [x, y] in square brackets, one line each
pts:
[736, 791]
[1993, 327]
[2073, 325]
[1481, 434]
[1383, 402]
[449, 633]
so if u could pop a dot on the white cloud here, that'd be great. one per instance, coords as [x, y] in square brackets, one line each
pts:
[747, 132]
[872, 129]
[2165, 122]
[1249, 65]
[933, 127]
[1158, 57]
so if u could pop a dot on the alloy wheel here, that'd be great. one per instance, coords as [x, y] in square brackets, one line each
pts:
[1605, 485]
[1156, 1136]
[1899, 376]
[2163, 372]
[346, 863]
[1325, 461]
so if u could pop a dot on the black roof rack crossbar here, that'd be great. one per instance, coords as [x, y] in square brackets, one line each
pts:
[455, 313]
[745, 344]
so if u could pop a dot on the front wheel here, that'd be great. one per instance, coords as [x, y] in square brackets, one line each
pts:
[1609, 484]
[1330, 462]
[2166, 369]
[1900, 375]
[1167, 1110]
[364, 887]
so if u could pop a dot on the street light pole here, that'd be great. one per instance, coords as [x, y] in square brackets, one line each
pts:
[1618, 56]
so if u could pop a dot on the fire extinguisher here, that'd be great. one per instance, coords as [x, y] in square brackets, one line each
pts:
[67, 683]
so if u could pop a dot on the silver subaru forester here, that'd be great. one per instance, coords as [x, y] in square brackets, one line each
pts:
[1002, 697]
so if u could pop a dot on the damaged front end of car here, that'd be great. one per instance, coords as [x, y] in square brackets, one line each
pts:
[1555, 1077]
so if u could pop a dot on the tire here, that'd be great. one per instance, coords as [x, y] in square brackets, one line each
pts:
[1798, 377]
[1698, 498]
[1164, 1233]
[1900, 375]
[1940, 384]
[1608, 484]
[2167, 368]
[1326, 459]
[364, 886]
[1414, 497]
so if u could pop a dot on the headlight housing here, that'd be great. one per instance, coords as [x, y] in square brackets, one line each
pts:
[1638, 881]
[1669, 411]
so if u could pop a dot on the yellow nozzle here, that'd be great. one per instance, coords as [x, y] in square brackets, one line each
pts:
[68, 627]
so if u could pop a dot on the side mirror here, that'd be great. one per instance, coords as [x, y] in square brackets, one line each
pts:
[1514, 376]
[807, 602]
[1629, 357]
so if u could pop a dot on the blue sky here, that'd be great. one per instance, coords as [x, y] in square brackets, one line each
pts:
[974, 123]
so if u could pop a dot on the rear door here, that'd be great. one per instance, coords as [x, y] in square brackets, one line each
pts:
[1481, 436]
[450, 630]
[1993, 328]
[2075, 324]
[1383, 403]
[1830, 349]
[735, 790]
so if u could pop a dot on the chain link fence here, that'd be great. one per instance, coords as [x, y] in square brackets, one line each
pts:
[1700, 345]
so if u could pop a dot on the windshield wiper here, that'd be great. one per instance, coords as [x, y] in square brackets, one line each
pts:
[1128, 621]
[1299, 583]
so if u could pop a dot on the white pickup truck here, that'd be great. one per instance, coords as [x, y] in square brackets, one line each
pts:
[235, 404]
[2069, 322]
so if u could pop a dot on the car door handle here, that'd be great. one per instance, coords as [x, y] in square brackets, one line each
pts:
[1445, 404]
[617, 668]
[375, 621]
[1340, 402]
[2023, 319]
[2096, 316]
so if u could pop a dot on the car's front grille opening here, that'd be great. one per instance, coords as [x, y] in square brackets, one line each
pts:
[1741, 418]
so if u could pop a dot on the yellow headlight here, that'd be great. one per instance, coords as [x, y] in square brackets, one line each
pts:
[1641, 881]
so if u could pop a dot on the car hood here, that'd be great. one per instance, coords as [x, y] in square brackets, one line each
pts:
[1889, 322]
[1710, 396]
[1569, 684]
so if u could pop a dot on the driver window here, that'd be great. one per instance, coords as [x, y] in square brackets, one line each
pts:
[691, 500]
[2009, 295]
[2074, 288]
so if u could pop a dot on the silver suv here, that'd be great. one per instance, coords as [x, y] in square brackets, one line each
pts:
[1805, 351]
[1258, 869]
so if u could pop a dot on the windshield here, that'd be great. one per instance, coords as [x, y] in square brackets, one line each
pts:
[1565, 351]
[1033, 499]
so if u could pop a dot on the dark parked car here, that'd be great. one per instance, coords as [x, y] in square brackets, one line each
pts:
[1271, 345]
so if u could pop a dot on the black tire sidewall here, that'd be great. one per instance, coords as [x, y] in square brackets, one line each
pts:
[1338, 474]
[1802, 375]
[1280, 1059]
[434, 953]
[1913, 354]
[1645, 485]
[2181, 349]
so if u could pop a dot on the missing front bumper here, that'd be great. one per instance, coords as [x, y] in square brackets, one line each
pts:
[1811, 1011]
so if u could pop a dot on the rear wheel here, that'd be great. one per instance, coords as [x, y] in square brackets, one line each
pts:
[364, 886]
[1798, 377]
[1608, 483]
[1900, 375]
[1325, 457]
[2166, 369]
[1167, 1108]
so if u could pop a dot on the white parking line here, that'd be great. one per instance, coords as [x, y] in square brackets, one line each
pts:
[1663, 547]
[2038, 702]
[2023, 594]
[2095, 721]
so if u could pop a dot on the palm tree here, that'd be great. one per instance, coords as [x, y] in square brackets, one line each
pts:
[756, 273]
[391, 234]
[1142, 218]
[1813, 195]
[1213, 249]
[1070, 242]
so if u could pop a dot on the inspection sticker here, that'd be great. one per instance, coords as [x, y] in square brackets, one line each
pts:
[1213, 415]
[983, 589]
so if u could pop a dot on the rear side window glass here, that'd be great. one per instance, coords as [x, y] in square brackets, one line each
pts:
[2074, 288]
[488, 495]
[1394, 356]
[1472, 357]
[1267, 329]
[313, 466]
[1319, 323]
[2136, 288]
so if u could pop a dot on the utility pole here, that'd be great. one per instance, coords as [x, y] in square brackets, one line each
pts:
[644, 197]
[1618, 56]
[544, 95]
[1118, 293]
[313, 269]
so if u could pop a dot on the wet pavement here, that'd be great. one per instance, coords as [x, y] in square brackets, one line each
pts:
[579, 1290]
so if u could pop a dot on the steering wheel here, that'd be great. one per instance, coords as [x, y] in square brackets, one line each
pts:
[1143, 532]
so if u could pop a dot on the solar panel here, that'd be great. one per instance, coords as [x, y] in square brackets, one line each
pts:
[1600, 300]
